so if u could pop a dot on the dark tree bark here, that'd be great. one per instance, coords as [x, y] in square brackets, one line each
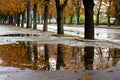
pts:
[88, 57]
[117, 20]
[60, 60]
[46, 46]
[64, 20]
[10, 20]
[117, 8]
[35, 51]
[14, 20]
[77, 4]
[35, 16]
[71, 19]
[60, 21]
[28, 14]
[23, 17]
[46, 11]
[78, 17]
[98, 13]
[29, 50]
[89, 23]
[109, 12]
[18, 19]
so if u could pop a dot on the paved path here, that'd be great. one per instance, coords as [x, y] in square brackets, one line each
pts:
[46, 37]
[10, 73]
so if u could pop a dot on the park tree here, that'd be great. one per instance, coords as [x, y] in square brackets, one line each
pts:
[89, 23]
[35, 16]
[36, 4]
[46, 12]
[113, 10]
[98, 11]
[77, 5]
[12, 9]
[69, 11]
[60, 6]
[29, 24]
[52, 11]
[116, 5]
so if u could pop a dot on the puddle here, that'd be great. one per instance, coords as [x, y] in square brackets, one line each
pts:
[58, 56]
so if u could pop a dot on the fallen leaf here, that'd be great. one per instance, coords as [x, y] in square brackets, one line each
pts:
[110, 71]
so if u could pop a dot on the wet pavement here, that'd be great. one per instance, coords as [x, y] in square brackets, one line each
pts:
[27, 54]
[102, 32]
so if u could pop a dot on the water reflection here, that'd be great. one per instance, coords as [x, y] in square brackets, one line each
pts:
[57, 56]
[88, 57]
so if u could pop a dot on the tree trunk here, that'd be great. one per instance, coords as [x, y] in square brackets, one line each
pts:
[18, 19]
[35, 16]
[10, 20]
[77, 4]
[78, 17]
[60, 8]
[60, 21]
[64, 20]
[23, 17]
[109, 12]
[117, 20]
[89, 23]
[28, 14]
[71, 19]
[98, 13]
[108, 19]
[14, 20]
[46, 11]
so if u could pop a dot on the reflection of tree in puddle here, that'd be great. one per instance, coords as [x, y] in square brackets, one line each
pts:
[57, 56]
[105, 57]
[88, 57]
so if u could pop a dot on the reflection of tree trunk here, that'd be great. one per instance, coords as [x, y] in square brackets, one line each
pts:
[115, 57]
[35, 51]
[35, 55]
[46, 55]
[88, 57]
[29, 50]
[60, 60]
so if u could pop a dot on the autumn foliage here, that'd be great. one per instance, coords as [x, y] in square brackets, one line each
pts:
[10, 7]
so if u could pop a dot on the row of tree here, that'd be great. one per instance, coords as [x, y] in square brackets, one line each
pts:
[16, 12]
